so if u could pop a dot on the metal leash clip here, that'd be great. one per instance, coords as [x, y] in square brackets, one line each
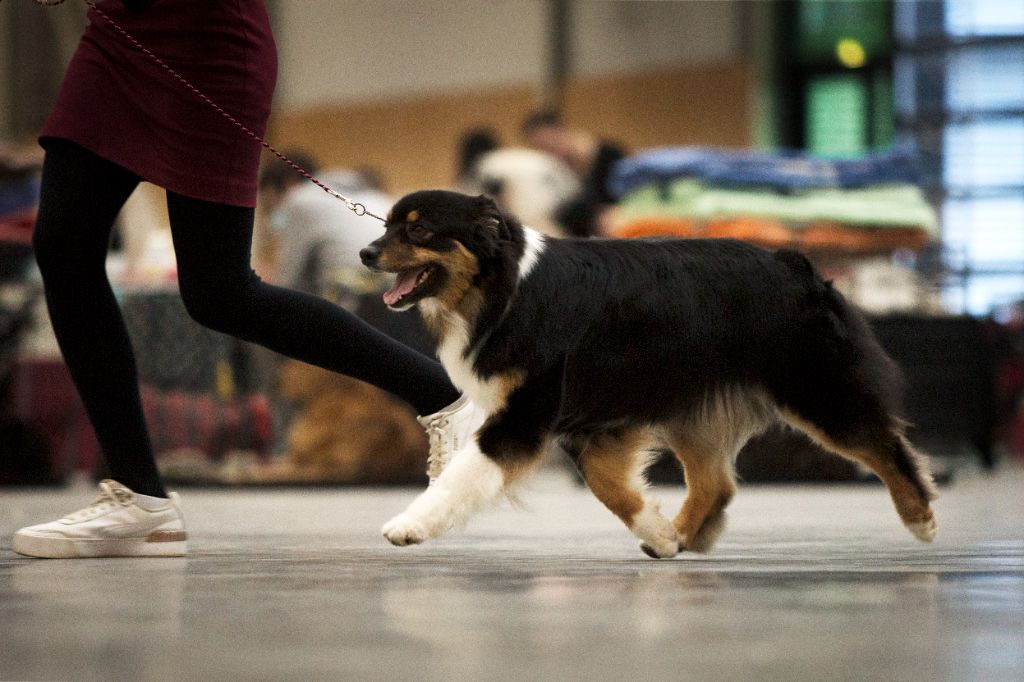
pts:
[354, 206]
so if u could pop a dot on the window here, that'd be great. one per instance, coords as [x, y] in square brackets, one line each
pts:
[959, 98]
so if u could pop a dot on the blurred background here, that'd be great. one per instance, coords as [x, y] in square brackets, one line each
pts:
[885, 139]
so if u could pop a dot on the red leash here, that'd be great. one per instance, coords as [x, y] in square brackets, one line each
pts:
[354, 206]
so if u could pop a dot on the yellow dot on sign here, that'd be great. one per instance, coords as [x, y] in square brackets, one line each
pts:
[850, 53]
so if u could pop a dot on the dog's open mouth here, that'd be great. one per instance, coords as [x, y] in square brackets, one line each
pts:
[407, 282]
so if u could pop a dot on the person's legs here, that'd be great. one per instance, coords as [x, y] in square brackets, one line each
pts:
[220, 290]
[80, 197]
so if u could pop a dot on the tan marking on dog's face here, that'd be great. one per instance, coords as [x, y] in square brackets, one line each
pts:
[398, 256]
[455, 272]
[462, 267]
[470, 305]
[413, 216]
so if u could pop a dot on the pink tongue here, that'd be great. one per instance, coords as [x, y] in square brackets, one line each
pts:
[405, 283]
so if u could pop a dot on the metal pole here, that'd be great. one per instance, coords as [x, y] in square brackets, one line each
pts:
[559, 53]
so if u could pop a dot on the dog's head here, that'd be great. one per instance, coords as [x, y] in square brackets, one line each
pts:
[440, 244]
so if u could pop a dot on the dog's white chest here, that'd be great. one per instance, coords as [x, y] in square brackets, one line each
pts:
[460, 369]
[451, 351]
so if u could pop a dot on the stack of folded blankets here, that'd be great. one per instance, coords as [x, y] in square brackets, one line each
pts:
[869, 205]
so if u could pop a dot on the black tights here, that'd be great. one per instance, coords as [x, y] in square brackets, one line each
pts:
[80, 198]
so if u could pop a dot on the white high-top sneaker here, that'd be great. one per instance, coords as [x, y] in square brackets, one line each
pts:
[118, 523]
[449, 431]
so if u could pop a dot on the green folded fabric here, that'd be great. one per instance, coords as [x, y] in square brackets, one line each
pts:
[882, 206]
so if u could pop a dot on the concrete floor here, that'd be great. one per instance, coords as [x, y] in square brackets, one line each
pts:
[816, 583]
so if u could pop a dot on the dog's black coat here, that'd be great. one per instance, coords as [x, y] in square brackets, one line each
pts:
[617, 333]
[644, 329]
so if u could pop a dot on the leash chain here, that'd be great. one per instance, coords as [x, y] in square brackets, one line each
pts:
[354, 206]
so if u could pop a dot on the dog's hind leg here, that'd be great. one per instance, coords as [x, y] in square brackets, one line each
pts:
[886, 451]
[707, 442]
[840, 388]
[710, 486]
[613, 465]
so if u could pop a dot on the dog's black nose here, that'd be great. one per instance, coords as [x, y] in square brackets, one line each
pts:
[369, 255]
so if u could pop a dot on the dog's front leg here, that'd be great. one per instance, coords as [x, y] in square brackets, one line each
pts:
[469, 482]
[507, 447]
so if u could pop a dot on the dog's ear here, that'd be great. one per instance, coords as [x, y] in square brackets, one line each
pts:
[490, 216]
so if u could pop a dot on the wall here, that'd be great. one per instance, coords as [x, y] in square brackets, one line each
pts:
[340, 51]
[6, 73]
[412, 140]
[36, 43]
[395, 84]
[343, 51]
[627, 37]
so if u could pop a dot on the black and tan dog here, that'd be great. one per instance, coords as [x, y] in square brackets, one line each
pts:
[612, 346]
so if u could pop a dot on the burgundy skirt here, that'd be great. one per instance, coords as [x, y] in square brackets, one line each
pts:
[119, 104]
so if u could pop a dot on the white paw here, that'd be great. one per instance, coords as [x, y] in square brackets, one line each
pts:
[924, 530]
[660, 540]
[662, 548]
[404, 530]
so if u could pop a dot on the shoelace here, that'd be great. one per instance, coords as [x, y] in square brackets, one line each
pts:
[109, 495]
[437, 458]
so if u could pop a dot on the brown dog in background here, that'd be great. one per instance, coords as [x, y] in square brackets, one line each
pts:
[345, 431]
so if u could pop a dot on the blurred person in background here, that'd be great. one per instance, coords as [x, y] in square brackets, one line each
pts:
[473, 145]
[318, 244]
[276, 180]
[528, 183]
[592, 159]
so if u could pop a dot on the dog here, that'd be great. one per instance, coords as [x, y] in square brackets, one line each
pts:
[527, 183]
[612, 347]
[345, 431]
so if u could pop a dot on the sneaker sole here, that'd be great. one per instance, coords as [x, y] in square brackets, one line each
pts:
[158, 544]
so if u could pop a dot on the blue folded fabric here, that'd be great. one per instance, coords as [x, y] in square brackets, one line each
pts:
[786, 170]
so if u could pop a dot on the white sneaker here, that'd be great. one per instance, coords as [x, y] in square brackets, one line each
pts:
[118, 523]
[450, 430]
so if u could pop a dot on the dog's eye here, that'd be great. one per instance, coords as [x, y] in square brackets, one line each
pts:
[417, 231]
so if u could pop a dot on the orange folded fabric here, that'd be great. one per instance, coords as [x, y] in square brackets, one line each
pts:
[656, 227]
[763, 231]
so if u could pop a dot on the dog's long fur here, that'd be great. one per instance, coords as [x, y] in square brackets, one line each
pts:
[612, 346]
